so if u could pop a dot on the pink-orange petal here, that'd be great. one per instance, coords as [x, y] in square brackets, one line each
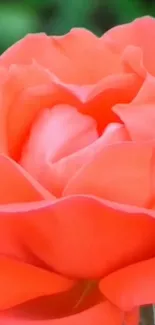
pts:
[119, 172]
[20, 282]
[3, 131]
[132, 61]
[132, 286]
[32, 47]
[17, 185]
[139, 33]
[103, 313]
[111, 90]
[138, 116]
[57, 175]
[77, 236]
[28, 90]
[57, 133]
[114, 133]
[85, 54]
[77, 57]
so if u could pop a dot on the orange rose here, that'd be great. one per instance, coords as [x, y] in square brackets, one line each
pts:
[77, 171]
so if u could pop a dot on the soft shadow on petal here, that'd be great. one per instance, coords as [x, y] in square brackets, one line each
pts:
[132, 286]
[57, 305]
[78, 236]
[17, 185]
[113, 89]
[120, 172]
[20, 282]
[139, 115]
[104, 313]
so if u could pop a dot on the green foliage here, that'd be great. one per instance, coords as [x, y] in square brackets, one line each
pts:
[18, 18]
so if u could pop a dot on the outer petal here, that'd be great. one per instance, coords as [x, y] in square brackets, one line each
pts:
[104, 313]
[121, 172]
[32, 47]
[3, 133]
[76, 57]
[17, 185]
[139, 115]
[139, 33]
[20, 282]
[55, 176]
[85, 52]
[54, 235]
[131, 286]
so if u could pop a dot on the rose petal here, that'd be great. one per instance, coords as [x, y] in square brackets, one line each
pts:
[139, 116]
[17, 185]
[67, 131]
[57, 175]
[120, 88]
[114, 133]
[32, 47]
[57, 305]
[132, 61]
[20, 282]
[140, 33]
[104, 313]
[77, 57]
[23, 97]
[3, 133]
[86, 52]
[120, 172]
[78, 236]
[132, 286]
[27, 90]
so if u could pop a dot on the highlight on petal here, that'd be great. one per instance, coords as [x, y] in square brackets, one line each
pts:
[114, 133]
[17, 185]
[56, 175]
[55, 234]
[139, 33]
[20, 282]
[103, 313]
[139, 115]
[131, 286]
[119, 172]
[57, 133]
[61, 172]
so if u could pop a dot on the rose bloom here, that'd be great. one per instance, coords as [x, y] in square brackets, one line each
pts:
[77, 172]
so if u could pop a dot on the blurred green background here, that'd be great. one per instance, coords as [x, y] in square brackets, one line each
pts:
[18, 18]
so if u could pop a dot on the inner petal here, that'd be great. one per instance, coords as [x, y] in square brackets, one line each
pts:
[56, 134]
